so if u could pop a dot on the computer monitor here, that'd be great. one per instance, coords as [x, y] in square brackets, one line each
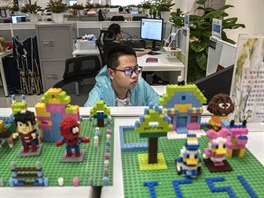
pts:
[151, 29]
[219, 82]
[18, 18]
[133, 11]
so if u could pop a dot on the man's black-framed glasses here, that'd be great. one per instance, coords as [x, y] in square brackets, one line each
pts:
[129, 71]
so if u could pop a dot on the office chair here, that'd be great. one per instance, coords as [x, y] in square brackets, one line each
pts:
[118, 18]
[79, 68]
[105, 38]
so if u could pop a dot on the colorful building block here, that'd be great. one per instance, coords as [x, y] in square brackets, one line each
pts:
[214, 154]
[100, 111]
[189, 161]
[184, 105]
[153, 125]
[70, 131]
[220, 106]
[22, 176]
[237, 139]
[53, 108]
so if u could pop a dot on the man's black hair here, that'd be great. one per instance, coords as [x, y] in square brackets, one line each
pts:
[24, 117]
[113, 30]
[117, 51]
[120, 9]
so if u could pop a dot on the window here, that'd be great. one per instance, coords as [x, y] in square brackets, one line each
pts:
[126, 2]
[71, 2]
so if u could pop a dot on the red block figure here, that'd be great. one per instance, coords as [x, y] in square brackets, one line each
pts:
[70, 130]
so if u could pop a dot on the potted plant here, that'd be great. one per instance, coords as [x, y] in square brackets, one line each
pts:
[31, 9]
[200, 32]
[164, 6]
[76, 8]
[57, 8]
[13, 8]
[146, 6]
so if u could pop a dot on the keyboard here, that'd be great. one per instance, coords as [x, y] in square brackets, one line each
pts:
[154, 53]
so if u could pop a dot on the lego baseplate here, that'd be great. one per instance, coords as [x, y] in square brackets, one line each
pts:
[247, 171]
[50, 159]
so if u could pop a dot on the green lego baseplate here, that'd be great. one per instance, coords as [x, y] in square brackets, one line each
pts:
[50, 159]
[248, 167]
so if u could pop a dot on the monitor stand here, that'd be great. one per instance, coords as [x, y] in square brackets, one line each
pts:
[154, 47]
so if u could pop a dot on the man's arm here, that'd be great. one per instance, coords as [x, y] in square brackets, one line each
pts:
[94, 95]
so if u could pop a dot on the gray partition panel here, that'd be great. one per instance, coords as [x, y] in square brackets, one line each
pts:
[24, 34]
[6, 34]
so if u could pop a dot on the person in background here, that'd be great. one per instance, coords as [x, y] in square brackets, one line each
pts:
[119, 83]
[114, 30]
[121, 10]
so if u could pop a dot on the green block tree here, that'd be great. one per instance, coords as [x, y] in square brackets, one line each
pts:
[153, 124]
[100, 111]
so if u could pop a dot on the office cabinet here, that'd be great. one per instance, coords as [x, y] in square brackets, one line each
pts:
[55, 42]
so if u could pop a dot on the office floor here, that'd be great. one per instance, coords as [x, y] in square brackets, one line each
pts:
[34, 99]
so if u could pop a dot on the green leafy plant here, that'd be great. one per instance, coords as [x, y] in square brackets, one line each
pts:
[56, 6]
[200, 32]
[89, 5]
[146, 5]
[13, 7]
[76, 6]
[32, 8]
[164, 5]
[177, 18]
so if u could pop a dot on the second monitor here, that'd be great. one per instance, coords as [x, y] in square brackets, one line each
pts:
[151, 29]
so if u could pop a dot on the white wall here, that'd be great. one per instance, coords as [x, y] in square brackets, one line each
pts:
[250, 13]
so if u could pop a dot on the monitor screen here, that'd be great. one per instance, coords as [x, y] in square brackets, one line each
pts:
[133, 11]
[151, 29]
[18, 18]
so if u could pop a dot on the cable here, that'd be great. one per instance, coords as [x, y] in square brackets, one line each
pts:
[173, 36]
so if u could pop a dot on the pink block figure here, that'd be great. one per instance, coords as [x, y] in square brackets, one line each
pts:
[216, 149]
[237, 139]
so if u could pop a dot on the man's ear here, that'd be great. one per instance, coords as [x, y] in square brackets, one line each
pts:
[110, 73]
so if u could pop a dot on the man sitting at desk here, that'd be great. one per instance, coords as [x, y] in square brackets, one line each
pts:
[115, 30]
[119, 84]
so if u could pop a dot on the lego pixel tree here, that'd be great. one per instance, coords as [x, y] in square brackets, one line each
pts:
[153, 125]
[100, 111]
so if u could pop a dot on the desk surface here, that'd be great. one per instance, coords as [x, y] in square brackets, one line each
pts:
[164, 63]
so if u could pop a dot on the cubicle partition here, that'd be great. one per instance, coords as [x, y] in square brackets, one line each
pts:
[221, 55]
[20, 30]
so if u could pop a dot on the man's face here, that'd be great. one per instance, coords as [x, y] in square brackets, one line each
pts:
[119, 79]
[119, 36]
[24, 127]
